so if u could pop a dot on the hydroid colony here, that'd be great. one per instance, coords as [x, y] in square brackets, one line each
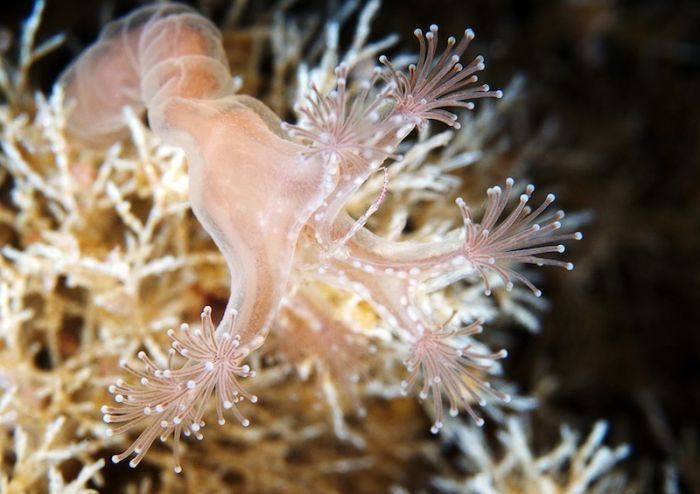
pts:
[104, 255]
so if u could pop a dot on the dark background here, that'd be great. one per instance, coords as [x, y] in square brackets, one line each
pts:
[609, 118]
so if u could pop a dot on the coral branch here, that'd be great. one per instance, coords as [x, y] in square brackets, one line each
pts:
[523, 236]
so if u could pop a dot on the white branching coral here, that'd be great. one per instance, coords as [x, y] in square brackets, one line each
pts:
[41, 454]
[569, 468]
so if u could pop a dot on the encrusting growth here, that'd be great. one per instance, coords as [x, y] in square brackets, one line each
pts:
[275, 204]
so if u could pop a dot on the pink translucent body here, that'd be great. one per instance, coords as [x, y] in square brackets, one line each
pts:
[250, 189]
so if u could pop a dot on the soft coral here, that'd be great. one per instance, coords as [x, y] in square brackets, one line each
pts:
[274, 205]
